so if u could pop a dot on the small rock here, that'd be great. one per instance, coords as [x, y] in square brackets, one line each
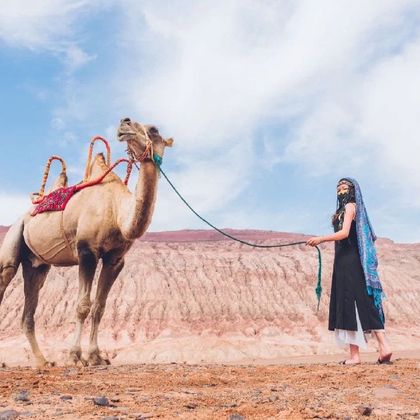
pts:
[66, 397]
[9, 414]
[22, 396]
[387, 391]
[230, 405]
[144, 416]
[279, 388]
[191, 406]
[101, 401]
[110, 418]
[71, 372]
[236, 417]
[364, 410]
[187, 391]
[273, 398]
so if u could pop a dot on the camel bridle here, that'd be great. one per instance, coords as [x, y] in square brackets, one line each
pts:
[148, 152]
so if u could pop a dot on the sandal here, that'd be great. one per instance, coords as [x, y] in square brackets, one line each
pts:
[386, 360]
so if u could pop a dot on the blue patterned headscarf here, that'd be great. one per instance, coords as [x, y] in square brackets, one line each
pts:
[366, 243]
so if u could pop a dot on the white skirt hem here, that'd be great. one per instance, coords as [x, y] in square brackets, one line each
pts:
[344, 338]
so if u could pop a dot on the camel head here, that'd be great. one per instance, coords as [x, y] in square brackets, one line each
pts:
[138, 136]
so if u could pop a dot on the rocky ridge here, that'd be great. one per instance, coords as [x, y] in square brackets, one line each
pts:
[194, 296]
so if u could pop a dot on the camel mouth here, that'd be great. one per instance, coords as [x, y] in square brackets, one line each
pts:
[124, 132]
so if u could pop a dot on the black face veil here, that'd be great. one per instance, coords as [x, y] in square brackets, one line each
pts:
[347, 197]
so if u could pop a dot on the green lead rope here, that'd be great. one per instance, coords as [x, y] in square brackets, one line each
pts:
[318, 289]
[158, 160]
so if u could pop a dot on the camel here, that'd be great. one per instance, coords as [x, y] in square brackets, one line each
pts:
[99, 222]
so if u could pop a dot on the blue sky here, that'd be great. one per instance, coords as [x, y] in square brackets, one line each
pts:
[269, 102]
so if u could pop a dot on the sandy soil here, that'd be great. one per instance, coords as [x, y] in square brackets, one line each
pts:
[284, 391]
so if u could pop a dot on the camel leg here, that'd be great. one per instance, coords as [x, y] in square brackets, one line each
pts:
[10, 255]
[34, 278]
[111, 268]
[87, 268]
[7, 273]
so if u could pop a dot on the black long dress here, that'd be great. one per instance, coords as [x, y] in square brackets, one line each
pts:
[349, 286]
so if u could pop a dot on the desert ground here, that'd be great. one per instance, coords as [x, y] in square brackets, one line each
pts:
[282, 391]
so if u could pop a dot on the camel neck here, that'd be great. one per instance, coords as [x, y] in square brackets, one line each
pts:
[137, 214]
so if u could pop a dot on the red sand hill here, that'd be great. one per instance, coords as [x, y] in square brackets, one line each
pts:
[194, 296]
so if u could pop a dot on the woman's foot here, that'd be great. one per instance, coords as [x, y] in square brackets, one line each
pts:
[354, 356]
[385, 352]
[385, 359]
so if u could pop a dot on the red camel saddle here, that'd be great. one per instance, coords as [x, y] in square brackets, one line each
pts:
[57, 199]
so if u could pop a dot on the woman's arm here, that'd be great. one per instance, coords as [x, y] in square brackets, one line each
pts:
[341, 234]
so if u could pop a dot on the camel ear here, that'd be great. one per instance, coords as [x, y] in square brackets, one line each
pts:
[169, 142]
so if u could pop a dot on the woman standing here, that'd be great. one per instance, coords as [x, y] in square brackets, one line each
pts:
[356, 291]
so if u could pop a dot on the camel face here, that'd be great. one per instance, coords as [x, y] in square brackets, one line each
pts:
[137, 135]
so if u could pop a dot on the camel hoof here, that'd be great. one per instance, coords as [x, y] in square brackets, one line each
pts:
[95, 359]
[45, 364]
[75, 357]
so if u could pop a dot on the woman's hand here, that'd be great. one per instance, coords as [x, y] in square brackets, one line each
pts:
[314, 241]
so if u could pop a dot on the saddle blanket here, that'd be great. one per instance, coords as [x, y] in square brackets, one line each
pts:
[55, 200]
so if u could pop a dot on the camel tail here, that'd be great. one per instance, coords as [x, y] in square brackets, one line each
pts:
[10, 255]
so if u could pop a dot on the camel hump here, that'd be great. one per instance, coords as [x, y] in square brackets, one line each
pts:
[60, 182]
[98, 167]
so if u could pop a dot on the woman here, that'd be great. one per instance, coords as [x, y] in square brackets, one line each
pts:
[356, 291]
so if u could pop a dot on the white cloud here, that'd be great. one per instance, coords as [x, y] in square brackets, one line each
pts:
[390, 106]
[36, 23]
[217, 69]
[12, 207]
[45, 25]
[207, 185]
[212, 74]
[341, 76]
[75, 57]
[325, 140]
[367, 124]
